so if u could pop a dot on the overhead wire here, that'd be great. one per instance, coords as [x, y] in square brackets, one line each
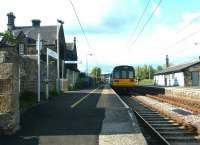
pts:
[181, 40]
[82, 29]
[138, 22]
[188, 24]
[145, 24]
[186, 37]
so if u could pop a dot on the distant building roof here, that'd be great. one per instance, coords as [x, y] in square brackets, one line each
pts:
[48, 33]
[177, 68]
[70, 46]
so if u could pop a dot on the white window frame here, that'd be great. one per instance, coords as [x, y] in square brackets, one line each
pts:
[21, 49]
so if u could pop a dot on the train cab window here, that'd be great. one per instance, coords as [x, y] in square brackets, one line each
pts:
[124, 74]
[116, 75]
[130, 74]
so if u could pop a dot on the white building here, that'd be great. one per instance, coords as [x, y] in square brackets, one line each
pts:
[187, 74]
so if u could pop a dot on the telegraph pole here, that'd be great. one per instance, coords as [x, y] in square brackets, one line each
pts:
[149, 72]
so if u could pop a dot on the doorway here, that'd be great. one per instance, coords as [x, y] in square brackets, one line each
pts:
[195, 78]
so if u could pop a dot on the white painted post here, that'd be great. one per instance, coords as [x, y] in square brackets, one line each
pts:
[38, 49]
[47, 79]
[19, 79]
[58, 63]
[62, 73]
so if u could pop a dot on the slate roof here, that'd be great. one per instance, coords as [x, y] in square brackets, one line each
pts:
[71, 53]
[177, 68]
[48, 33]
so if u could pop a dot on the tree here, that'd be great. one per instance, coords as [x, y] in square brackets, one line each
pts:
[145, 72]
[96, 72]
[9, 37]
[159, 68]
[151, 71]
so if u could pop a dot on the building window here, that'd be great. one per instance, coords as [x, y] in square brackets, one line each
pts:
[21, 49]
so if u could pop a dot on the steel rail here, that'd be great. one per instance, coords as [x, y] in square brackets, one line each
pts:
[158, 135]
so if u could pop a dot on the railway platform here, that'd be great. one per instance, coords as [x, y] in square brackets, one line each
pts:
[85, 117]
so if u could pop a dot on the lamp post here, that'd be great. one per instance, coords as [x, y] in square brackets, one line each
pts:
[59, 23]
[87, 74]
[88, 54]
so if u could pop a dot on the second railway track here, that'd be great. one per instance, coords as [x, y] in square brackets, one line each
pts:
[158, 129]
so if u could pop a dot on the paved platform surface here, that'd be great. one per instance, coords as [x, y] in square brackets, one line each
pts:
[90, 117]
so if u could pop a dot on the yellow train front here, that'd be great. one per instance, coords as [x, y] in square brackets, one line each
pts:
[123, 79]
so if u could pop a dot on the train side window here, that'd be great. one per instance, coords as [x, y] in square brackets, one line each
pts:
[116, 75]
[124, 74]
[130, 74]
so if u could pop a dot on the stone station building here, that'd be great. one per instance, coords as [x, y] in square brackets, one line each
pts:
[18, 65]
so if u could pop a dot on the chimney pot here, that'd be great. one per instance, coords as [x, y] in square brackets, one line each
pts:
[36, 23]
[167, 61]
[11, 21]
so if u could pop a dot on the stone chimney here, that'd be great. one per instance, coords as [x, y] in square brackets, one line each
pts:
[74, 49]
[74, 40]
[167, 61]
[36, 23]
[11, 21]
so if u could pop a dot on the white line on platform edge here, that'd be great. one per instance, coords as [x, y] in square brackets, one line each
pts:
[125, 105]
[79, 101]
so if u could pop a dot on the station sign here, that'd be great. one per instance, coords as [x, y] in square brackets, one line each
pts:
[52, 53]
[71, 62]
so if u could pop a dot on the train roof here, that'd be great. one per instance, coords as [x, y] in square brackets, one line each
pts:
[123, 66]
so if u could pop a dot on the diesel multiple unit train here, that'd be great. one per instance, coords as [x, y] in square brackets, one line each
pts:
[123, 78]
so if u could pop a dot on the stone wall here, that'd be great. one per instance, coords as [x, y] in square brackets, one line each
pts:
[29, 75]
[183, 92]
[9, 98]
[187, 92]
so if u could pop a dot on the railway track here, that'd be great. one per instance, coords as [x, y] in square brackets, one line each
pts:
[159, 130]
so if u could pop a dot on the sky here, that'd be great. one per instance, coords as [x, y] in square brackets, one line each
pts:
[110, 27]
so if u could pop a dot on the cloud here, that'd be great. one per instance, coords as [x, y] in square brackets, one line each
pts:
[119, 18]
[107, 24]
[150, 49]
[90, 12]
